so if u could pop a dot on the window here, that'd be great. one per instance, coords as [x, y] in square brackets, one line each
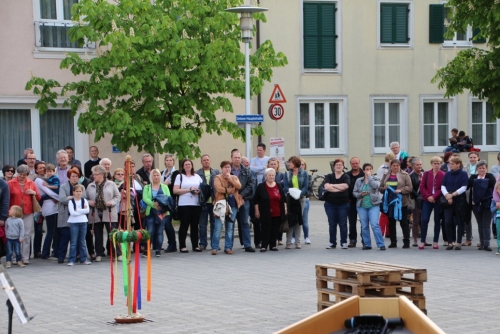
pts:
[322, 126]
[395, 23]
[56, 131]
[484, 125]
[15, 129]
[389, 121]
[438, 117]
[439, 18]
[55, 21]
[320, 37]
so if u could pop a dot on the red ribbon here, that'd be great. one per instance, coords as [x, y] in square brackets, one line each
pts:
[112, 273]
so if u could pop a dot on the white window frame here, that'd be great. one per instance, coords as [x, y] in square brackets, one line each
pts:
[343, 135]
[28, 102]
[338, 45]
[411, 21]
[403, 116]
[486, 148]
[55, 53]
[452, 119]
[454, 43]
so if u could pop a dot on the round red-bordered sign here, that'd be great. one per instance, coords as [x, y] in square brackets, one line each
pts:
[276, 111]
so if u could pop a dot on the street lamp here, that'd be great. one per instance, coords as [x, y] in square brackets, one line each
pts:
[246, 26]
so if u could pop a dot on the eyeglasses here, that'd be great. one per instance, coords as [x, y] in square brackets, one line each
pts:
[119, 174]
[10, 170]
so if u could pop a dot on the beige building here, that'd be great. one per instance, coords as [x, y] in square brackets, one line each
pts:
[358, 78]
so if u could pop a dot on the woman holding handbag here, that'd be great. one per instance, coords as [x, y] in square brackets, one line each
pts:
[226, 188]
[23, 192]
[270, 208]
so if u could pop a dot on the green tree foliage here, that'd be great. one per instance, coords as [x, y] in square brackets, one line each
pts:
[163, 68]
[474, 69]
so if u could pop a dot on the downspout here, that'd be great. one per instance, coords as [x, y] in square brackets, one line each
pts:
[259, 96]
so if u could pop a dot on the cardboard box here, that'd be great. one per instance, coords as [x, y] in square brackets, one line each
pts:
[332, 318]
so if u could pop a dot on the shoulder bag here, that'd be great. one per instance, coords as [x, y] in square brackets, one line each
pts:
[36, 206]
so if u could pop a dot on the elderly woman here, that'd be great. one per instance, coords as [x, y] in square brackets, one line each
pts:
[430, 190]
[453, 188]
[296, 178]
[368, 207]
[274, 163]
[119, 176]
[103, 196]
[416, 177]
[337, 203]
[22, 190]
[396, 200]
[63, 232]
[8, 172]
[106, 163]
[270, 208]
[154, 224]
[482, 185]
[396, 149]
[305, 213]
[226, 188]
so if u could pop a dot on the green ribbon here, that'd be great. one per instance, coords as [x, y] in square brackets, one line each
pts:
[124, 246]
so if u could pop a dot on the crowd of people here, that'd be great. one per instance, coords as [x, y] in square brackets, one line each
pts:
[79, 204]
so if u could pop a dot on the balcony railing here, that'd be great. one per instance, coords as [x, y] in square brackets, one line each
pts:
[56, 35]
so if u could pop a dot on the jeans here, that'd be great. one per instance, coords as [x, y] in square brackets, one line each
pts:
[353, 220]
[229, 233]
[427, 208]
[337, 216]
[155, 229]
[51, 222]
[64, 236]
[78, 232]
[483, 225]
[369, 217]
[13, 245]
[190, 217]
[170, 231]
[37, 240]
[207, 212]
[305, 218]
[243, 225]
[404, 226]
[497, 222]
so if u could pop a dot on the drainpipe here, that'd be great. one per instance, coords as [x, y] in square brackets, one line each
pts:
[259, 96]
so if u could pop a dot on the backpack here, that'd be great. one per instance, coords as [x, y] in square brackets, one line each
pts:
[74, 203]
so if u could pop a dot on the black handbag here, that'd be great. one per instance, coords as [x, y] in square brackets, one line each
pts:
[443, 202]
[284, 228]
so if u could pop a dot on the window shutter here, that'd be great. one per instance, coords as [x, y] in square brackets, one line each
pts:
[436, 23]
[400, 14]
[319, 35]
[394, 23]
[478, 40]
[386, 23]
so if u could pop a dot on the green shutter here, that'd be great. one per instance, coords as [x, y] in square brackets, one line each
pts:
[394, 23]
[319, 35]
[436, 23]
[477, 40]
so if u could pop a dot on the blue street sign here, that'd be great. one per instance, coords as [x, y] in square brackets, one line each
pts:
[249, 118]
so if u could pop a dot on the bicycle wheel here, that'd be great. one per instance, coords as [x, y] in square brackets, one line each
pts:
[318, 180]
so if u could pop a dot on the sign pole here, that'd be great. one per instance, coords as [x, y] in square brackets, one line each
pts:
[276, 128]
[247, 97]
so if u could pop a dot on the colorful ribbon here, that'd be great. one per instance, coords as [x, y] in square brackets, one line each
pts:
[125, 267]
[148, 284]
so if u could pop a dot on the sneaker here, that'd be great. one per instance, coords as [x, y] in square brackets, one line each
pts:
[382, 248]
[120, 258]
[345, 246]
[21, 264]
[308, 242]
[71, 263]
[14, 261]
[331, 246]
[366, 248]
[144, 255]
[97, 259]
[87, 262]
[293, 240]
[158, 253]
[7, 264]
[25, 261]
[498, 252]
[203, 247]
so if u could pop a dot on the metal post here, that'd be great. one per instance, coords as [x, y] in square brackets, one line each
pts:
[247, 97]
[10, 310]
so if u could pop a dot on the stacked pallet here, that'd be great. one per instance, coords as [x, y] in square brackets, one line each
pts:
[336, 282]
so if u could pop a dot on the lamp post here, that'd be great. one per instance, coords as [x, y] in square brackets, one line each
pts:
[246, 26]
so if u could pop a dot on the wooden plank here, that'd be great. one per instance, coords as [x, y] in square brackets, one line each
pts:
[396, 266]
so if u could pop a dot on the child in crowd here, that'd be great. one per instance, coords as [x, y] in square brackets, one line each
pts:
[78, 210]
[496, 214]
[14, 231]
[52, 182]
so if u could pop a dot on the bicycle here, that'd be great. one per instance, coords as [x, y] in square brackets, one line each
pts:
[314, 183]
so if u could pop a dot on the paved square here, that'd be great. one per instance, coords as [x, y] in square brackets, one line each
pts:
[249, 293]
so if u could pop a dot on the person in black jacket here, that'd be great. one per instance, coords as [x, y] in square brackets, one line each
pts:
[93, 161]
[354, 174]
[145, 170]
[416, 177]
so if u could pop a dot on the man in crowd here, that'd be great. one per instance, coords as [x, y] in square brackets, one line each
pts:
[71, 157]
[93, 161]
[256, 222]
[62, 166]
[246, 191]
[258, 164]
[354, 174]
[208, 175]
[23, 160]
[147, 166]
[30, 162]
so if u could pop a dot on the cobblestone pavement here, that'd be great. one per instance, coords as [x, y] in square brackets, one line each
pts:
[249, 293]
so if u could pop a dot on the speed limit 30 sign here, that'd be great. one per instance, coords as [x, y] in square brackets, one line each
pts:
[276, 111]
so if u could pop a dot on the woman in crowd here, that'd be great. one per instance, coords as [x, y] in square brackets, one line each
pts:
[445, 167]
[82, 180]
[296, 178]
[471, 170]
[106, 163]
[154, 224]
[270, 208]
[430, 190]
[337, 203]
[103, 197]
[274, 163]
[366, 190]
[186, 186]
[166, 175]
[453, 188]
[416, 178]
[119, 176]
[305, 214]
[63, 231]
[482, 185]
[22, 191]
[384, 220]
[226, 188]
[400, 184]
[8, 172]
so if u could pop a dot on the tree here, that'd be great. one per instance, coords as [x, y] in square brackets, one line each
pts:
[163, 68]
[476, 70]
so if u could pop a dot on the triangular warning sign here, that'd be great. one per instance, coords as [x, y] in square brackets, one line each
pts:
[277, 95]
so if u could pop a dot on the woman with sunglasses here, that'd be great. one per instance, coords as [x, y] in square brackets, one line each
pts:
[8, 172]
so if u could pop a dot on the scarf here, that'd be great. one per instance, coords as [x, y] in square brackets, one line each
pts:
[454, 180]
[99, 197]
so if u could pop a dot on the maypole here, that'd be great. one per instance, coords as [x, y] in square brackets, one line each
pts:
[124, 237]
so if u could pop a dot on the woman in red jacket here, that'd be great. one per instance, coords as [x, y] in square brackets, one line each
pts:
[22, 191]
[430, 190]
